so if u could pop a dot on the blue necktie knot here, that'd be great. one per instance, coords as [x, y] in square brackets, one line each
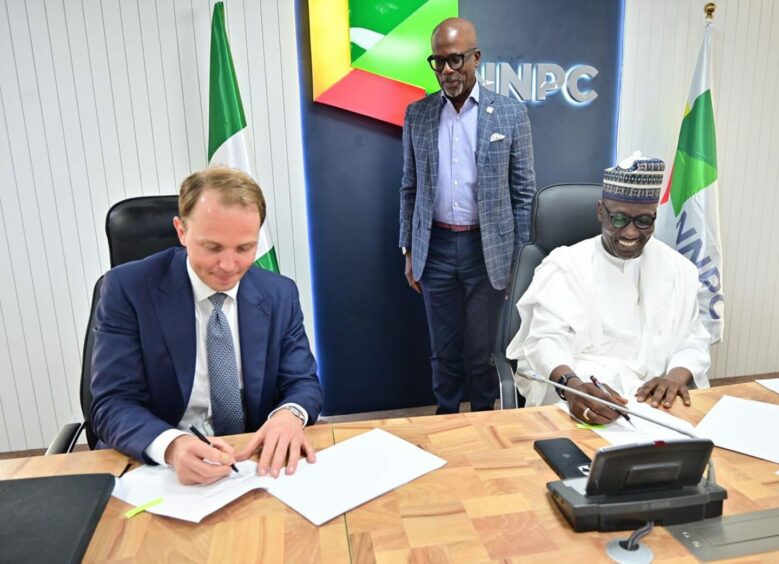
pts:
[218, 300]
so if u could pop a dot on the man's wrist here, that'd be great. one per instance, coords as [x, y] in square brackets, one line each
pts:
[680, 374]
[566, 380]
[157, 451]
[295, 410]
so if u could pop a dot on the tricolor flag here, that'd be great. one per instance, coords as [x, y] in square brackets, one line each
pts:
[228, 136]
[688, 216]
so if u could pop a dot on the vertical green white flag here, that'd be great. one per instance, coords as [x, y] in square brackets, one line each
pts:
[228, 136]
[688, 216]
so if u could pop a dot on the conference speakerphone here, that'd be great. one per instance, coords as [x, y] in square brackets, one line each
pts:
[629, 485]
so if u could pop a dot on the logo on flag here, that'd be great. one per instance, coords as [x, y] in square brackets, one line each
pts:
[688, 216]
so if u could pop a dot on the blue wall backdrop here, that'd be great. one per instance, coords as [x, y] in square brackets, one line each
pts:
[372, 343]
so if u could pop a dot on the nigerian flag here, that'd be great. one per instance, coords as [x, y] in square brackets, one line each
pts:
[688, 216]
[228, 136]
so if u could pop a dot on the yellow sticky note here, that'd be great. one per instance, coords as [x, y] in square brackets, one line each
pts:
[590, 427]
[135, 510]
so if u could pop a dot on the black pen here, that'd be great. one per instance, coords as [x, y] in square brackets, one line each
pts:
[200, 436]
[603, 389]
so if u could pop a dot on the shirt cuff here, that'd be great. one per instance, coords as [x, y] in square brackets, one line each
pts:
[293, 404]
[156, 450]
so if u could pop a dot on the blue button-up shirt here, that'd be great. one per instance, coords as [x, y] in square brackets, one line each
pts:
[455, 189]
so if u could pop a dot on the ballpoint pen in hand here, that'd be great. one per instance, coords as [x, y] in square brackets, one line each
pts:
[603, 389]
[200, 436]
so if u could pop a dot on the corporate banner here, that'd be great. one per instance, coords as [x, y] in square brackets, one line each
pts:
[362, 62]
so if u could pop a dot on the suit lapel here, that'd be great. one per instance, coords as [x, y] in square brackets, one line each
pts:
[486, 98]
[175, 306]
[254, 319]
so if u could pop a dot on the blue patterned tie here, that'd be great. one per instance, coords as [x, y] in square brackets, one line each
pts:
[226, 404]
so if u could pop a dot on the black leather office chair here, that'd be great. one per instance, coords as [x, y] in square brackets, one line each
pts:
[136, 228]
[139, 227]
[562, 214]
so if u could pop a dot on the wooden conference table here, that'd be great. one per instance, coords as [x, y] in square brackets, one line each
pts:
[488, 503]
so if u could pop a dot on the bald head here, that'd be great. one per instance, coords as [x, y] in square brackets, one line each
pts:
[454, 29]
[455, 58]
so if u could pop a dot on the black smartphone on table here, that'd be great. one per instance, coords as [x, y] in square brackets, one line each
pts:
[564, 457]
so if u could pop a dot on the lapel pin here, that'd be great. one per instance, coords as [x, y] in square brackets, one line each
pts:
[489, 109]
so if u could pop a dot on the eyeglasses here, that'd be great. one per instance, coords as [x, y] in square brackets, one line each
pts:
[455, 60]
[620, 220]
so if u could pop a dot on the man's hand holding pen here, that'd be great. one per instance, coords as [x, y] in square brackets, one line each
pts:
[588, 410]
[197, 462]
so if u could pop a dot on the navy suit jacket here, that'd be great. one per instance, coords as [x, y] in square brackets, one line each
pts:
[505, 179]
[143, 363]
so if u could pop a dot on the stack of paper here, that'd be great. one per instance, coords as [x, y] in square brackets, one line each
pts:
[343, 477]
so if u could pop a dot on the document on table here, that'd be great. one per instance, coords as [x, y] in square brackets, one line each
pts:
[770, 383]
[620, 432]
[344, 476]
[744, 426]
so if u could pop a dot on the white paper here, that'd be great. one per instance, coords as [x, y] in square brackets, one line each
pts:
[771, 383]
[620, 432]
[344, 476]
[353, 472]
[744, 426]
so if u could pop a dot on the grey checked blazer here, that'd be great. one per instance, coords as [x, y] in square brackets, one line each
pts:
[506, 180]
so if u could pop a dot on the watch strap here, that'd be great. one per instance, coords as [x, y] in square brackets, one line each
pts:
[563, 381]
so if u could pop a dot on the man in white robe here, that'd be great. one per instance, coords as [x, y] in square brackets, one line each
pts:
[621, 306]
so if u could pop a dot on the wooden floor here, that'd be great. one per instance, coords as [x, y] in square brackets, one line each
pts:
[395, 413]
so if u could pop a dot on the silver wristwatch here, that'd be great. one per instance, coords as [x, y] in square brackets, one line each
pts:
[297, 412]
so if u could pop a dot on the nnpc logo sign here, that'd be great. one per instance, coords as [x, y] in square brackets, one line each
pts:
[369, 57]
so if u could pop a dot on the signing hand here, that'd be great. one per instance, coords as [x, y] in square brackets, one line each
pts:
[415, 285]
[196, 462]
[664, 389]
[590, 411]
[282, 440]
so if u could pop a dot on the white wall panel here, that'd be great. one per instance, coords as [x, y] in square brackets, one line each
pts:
[102, 100]
[661, 43]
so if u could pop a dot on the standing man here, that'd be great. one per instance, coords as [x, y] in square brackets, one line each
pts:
[467, 187]
[200, 337]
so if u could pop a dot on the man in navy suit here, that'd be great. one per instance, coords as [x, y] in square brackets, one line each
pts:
[468, 183]
[199, 336]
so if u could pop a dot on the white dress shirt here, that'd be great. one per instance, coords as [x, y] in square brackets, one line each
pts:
[198, 411]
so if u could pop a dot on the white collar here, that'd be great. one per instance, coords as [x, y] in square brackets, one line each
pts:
[203, 291]
[475, 91]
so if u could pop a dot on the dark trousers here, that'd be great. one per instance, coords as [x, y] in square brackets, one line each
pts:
[462, 315]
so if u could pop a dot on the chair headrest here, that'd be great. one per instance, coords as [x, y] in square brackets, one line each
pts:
[564, 214]
[139, 227]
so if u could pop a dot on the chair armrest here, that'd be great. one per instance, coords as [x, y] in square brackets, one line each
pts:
[506, 387]
[65, 439]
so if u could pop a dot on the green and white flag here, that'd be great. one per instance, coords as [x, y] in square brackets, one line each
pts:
[688, 216]
[228, 136]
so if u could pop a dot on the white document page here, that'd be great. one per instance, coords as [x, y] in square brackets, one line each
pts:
[744, 426]
[771, 383]
[352, 472]
[620, 432]
[344, 476]
[189, 503]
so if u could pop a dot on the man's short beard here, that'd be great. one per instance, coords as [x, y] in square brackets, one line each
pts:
[460, 87]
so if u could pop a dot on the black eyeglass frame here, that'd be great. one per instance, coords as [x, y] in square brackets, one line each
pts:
[448, 60]
[648, 220]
